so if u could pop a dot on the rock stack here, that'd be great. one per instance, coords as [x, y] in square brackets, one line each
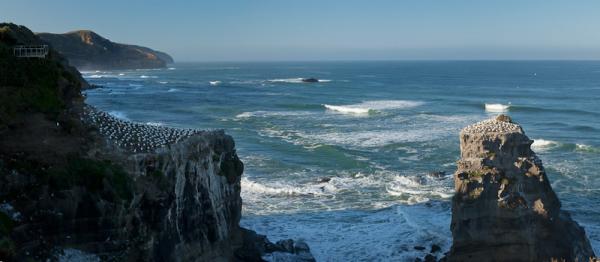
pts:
[504, 208]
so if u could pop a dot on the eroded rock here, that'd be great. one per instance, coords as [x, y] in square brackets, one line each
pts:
[504, 208]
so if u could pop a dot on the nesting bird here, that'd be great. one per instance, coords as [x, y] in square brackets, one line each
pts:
[134, 137]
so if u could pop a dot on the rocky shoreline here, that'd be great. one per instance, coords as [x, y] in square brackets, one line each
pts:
[77, 183]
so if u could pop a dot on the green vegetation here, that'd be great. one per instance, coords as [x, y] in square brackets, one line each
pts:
[7, 246]
[6, 224]
[92, 175]
[30, 85]
[474, 174]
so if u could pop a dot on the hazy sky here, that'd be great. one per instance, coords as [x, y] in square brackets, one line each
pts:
[329, 30]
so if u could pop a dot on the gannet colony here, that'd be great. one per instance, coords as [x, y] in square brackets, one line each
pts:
[134, 137]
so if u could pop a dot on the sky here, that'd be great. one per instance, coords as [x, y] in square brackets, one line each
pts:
[293, 30]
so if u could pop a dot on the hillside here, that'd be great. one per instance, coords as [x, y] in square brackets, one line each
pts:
[87, 50]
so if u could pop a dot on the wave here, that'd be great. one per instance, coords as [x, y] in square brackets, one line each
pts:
[409, 189]
[347, 109]
[172, 68]
[163, 82]
[367, 107]
[419, 189]
[147, 76]
[171, 90]
[348, 235]
[271, 114]
[496, 108]
[542, 145]
[214, 83]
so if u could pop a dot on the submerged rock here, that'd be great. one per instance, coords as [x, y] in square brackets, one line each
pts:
[504, 208]
[310, 80]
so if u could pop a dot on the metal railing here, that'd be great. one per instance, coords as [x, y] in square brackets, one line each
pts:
[40, 51]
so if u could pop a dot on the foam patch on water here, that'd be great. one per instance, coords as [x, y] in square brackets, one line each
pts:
[497, 108]
[262, 114]
[301, 192]
[171, 90]
[419, 189]
[347, 109]
[372, 106]
[543, 145]
[388, 234]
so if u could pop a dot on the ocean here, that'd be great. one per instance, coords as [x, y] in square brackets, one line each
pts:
[346, 163]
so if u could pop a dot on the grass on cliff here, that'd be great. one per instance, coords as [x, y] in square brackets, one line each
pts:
[29, 85]
[96, 176]
[92, 175]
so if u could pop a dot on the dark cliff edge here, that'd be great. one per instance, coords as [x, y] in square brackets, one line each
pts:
[87, 50]
[504, 208]
[71, 190]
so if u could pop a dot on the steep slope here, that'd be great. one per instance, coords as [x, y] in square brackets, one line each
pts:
[71, 189]
[504, 208]
[87, 50]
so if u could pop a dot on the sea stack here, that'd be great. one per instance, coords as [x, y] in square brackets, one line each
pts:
[504, 208]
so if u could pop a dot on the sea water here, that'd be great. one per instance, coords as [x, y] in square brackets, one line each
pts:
[345, 163]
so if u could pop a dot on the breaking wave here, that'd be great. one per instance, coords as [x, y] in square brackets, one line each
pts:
[496, 108]
[373, 106]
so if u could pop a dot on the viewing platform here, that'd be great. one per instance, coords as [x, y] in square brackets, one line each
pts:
[40, 51]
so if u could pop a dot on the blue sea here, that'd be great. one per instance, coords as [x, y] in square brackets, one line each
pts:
[344, 163]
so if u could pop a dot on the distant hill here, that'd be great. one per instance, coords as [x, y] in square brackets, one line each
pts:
[87, 50]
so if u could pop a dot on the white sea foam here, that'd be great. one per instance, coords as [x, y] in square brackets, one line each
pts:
[214, 83]
[172, 68]
[347, 109]
[287, 80]
[586, 148]
[496, 108]
[271, 114]
[543, 145]
[171, 90]
[349, 235]
[121, 74]
[147, 76]
[376, 105]
[419, 189]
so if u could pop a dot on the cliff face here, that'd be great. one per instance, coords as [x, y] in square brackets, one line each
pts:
[78, 185]
[87, 50]
[504, 208]
[195, 215]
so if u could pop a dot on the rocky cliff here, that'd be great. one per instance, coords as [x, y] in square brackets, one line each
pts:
[79, 185]
[504, 208]
[87, 50]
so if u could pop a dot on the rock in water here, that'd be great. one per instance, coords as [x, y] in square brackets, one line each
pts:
[504, 208]
[310, 80]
